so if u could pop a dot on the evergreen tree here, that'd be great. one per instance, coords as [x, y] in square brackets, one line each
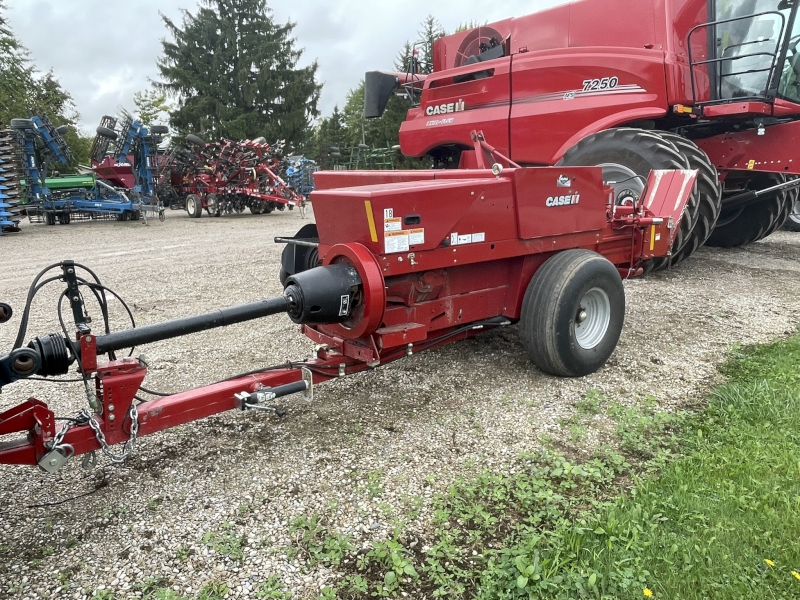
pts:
[431, 31]
[234, 73]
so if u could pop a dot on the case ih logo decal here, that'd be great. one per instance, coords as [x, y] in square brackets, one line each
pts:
[563, 181]
[443, 109]
[563, 200]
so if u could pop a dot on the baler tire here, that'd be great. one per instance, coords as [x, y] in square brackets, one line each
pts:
[194, 206]
[283, 276]
[641, 151]
[106, 133]
[793, 221]
[568, 283]
[747, 224]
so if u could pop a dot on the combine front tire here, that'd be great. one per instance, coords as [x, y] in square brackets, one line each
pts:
[743, 225]
[194, 206]
[627, 156]
[572, 313]
[709, 193]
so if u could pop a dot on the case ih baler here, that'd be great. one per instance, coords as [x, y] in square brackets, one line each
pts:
[427, 258]
[632, 86]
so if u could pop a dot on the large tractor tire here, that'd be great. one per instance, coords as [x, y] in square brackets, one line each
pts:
[627, 156]
[709, 193]
[572, 313]
[746, 224]
[793, 221]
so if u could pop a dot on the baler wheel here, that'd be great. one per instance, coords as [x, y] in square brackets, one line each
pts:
[194, 206]
[572, 313]
[637, 151]
[746, 224]
[710, 196]
[793, 222]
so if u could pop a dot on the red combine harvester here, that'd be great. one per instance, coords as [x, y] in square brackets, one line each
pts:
[426, 258]
[631, 86]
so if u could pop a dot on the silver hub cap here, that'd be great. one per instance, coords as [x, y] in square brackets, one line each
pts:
[592, 318]
[795, 215]
[621, 178]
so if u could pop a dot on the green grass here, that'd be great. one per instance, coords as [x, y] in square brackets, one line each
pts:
[716, 516]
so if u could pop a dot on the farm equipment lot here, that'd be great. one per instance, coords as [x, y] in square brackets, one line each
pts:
[365, 453]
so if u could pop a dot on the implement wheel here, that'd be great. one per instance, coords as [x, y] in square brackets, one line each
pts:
[572, 313]
[194, 206]
[747, 224]
[627, 156]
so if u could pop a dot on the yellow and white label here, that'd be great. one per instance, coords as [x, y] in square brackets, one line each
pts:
[416, 236]
[393, 224]
[395, 241]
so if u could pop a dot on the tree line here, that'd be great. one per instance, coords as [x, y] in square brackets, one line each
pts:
[226, 70]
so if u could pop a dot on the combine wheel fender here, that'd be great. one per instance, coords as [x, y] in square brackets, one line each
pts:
[107, 133]
[625, 153]
[572, 313]
[194, 206]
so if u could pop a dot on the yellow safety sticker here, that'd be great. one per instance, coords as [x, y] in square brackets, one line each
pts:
[652, 237]
[373, 233]
[751, 165]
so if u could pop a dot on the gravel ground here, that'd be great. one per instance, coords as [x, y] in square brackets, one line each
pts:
[371, 447]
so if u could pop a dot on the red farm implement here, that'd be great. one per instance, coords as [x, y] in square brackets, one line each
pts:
[226, 177]
[426, 258]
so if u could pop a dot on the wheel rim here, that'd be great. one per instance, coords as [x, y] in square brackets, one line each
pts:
[620, 178]
[592, 318]
[795, 214]
[190, 204]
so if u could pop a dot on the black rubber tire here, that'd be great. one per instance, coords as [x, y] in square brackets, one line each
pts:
[49, 218]
[256, 207]
[194, 206]
[106, 133]
[744, 225]
[283, 276]
[788, 204]
[136, 215]
[21, 124]
[269, 207]
[709, 191]
[62, 129]
[793, 220]
[159, 129]
[193, 139]
[641, 151]
[550, 307]
[63, 218]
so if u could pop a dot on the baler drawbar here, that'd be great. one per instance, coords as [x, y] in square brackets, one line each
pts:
[425, 258]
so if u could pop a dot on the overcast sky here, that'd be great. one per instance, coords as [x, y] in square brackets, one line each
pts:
[103, 51]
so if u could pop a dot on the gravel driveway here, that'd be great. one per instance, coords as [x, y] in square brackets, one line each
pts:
[213, 501]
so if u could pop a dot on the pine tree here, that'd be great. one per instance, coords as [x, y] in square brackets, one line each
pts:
[234, 73]
[431, 31]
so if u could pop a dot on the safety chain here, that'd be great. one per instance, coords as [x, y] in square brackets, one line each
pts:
[86, 418]
[101, 439]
